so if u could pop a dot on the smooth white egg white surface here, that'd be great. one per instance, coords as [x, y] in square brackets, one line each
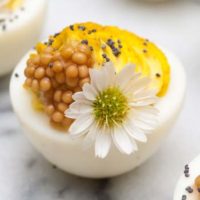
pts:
[69, 155]
[184, 182]
[20, 32]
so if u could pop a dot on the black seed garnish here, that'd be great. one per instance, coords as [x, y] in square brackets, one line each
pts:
[145, 44]
[71, 27]
[189, 189]
[147, 40]
[186, 171]
[120, 46]
[110, 43]
[187, 175]
[186, 166]
[56, 34]
[104, 55]
[158, 75]
[107, 59]
[119, 41]
[92, 31]
[50, 42]
[16, 75]
[184, 197]
[91, 48]
[116, 51]
[82, 28]
[84, 42]
[144, 50]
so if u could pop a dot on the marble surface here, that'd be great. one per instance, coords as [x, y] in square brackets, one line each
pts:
[25, 175]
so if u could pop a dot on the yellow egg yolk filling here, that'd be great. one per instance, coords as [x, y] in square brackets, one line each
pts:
[110, 43]
[13, 4]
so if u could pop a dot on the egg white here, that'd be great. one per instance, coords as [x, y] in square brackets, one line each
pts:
[21, 34]
[69, 154]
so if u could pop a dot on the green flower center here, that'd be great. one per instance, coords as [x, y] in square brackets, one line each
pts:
[110, 107]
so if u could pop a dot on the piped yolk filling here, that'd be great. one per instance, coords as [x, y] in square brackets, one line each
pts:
[11, 4]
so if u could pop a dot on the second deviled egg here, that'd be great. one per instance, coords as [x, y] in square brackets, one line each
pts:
[188, 186]
[20, 25]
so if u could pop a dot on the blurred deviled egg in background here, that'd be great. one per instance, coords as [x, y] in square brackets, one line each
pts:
[156, 1]
[188, 186]
[20, 25]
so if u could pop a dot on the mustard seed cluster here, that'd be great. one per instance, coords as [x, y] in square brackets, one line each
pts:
[55, 75]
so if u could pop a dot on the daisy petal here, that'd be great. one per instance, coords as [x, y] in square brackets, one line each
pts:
[135, 147]
[135, 132]
[109, 74]
[81, 125]
[131, 83]
[90, 136]
[144, 93]
[143, 115]
[71, 114]
[125, 76]
[139, 84]
[78, 96]
[122, 140]
[89, 92]
[143, 125]
[144, 102]
[97, 79]
[102, 144]
[147, 110]
[80, 107]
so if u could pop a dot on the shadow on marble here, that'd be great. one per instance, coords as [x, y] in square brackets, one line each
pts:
[5, 104]
[4, 82]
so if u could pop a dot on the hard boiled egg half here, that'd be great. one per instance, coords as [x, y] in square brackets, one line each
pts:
[99, 44]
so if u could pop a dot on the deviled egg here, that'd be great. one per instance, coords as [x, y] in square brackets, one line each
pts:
[20, 25]
[95, 100]
[188, 186]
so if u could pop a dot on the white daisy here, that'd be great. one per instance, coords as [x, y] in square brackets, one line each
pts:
[116, 108]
